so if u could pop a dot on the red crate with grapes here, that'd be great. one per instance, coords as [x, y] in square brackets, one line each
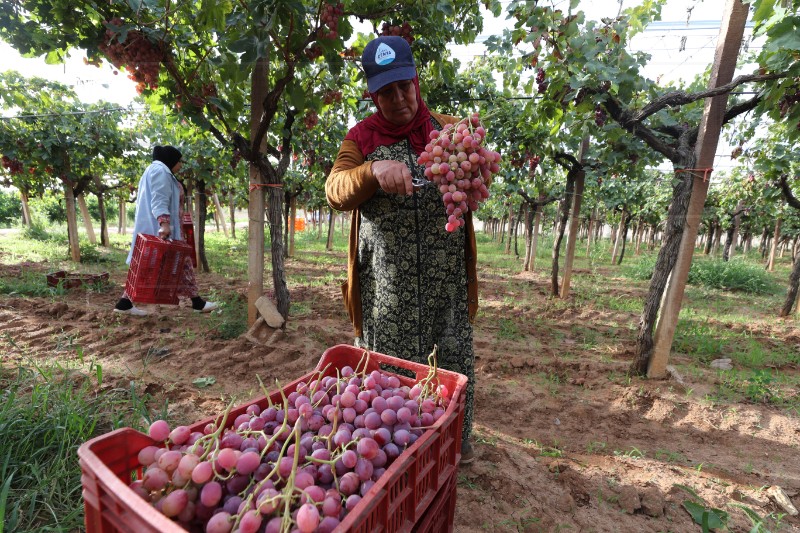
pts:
[342, 484]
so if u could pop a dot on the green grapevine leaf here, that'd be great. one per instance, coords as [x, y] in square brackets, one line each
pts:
[204, 381]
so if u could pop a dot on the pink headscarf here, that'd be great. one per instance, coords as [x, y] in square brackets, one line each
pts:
[376, 131]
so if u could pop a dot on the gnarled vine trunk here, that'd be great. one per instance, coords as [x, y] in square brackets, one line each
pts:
[566, 205]
[791, 295]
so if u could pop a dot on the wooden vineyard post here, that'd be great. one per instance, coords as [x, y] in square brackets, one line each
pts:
[220, 213]
[575, 220]
[121, 216]
[730, 40]
[619, 236]
[196, 220]
[255, 206]
[232, 210]
[774, 245]
[291, 229]
[590, 230]
[87, 219]
[72, 221]
[26, 210]
[331, 226]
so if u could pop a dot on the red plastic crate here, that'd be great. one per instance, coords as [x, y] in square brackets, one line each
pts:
[187, 232]
[155, 270]
[441, 514]
[401, 500]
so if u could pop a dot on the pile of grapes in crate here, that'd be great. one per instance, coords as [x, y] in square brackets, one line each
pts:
[298, 465]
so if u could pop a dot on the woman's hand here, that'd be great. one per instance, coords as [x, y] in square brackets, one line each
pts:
[393, 176]
[164, 230]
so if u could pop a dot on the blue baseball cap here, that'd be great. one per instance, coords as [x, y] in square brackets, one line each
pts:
[386, 60]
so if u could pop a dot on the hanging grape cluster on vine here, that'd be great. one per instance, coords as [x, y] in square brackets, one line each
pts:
[237, 156]
[599, 116]
[137, 54]
[332, 96]
[541, 81]
[787, 102]
[311, 119]
[13, 165]
[330, 15]
[533, 160]
[404, 31]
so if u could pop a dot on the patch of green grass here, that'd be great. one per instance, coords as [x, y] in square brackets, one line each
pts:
[738, 274]
[29, 284]
[707, 340]
[45, 415]
[703, 341]
[300, 309]
[595, 446]
[641, 268]
[735, 275]
[669, 456]
[36, 231]
[619, 302]
[757, 386]
[486, 439]
[549, 451]
[509, 330]
[493, 253]
[632, 453]
[464, 481]
[229, 256]
[230, 320]
[553, 381]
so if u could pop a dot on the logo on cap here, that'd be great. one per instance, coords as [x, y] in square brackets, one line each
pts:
[384, 54]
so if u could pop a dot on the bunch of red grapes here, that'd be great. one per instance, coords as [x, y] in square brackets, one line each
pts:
[541, 81]
[301, 465]
[331, 13]
[533, 160]
[458, 163]
[140, 57]
[403, 31]
[599, 116]
[310, 157]
[13, 165]
[311, 119]
[237, 156]
[332, 96]
[787, 102]
[313, 51]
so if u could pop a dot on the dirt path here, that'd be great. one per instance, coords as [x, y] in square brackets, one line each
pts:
[565, 441]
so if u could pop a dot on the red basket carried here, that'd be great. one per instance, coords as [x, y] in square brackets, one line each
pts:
[187, 232]
[416, 493]
[156, 269]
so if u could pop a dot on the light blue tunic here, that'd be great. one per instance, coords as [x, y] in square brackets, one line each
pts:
[159, 194]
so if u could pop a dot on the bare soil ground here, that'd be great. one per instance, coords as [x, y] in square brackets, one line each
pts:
[564, 439]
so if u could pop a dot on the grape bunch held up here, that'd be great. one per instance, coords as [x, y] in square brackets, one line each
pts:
[458, 163]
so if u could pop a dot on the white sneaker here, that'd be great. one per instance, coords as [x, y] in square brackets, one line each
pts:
[210, 306]
[133, 311]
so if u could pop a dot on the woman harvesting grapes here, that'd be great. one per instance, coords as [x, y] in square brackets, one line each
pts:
[158, 212]
[411, 283]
